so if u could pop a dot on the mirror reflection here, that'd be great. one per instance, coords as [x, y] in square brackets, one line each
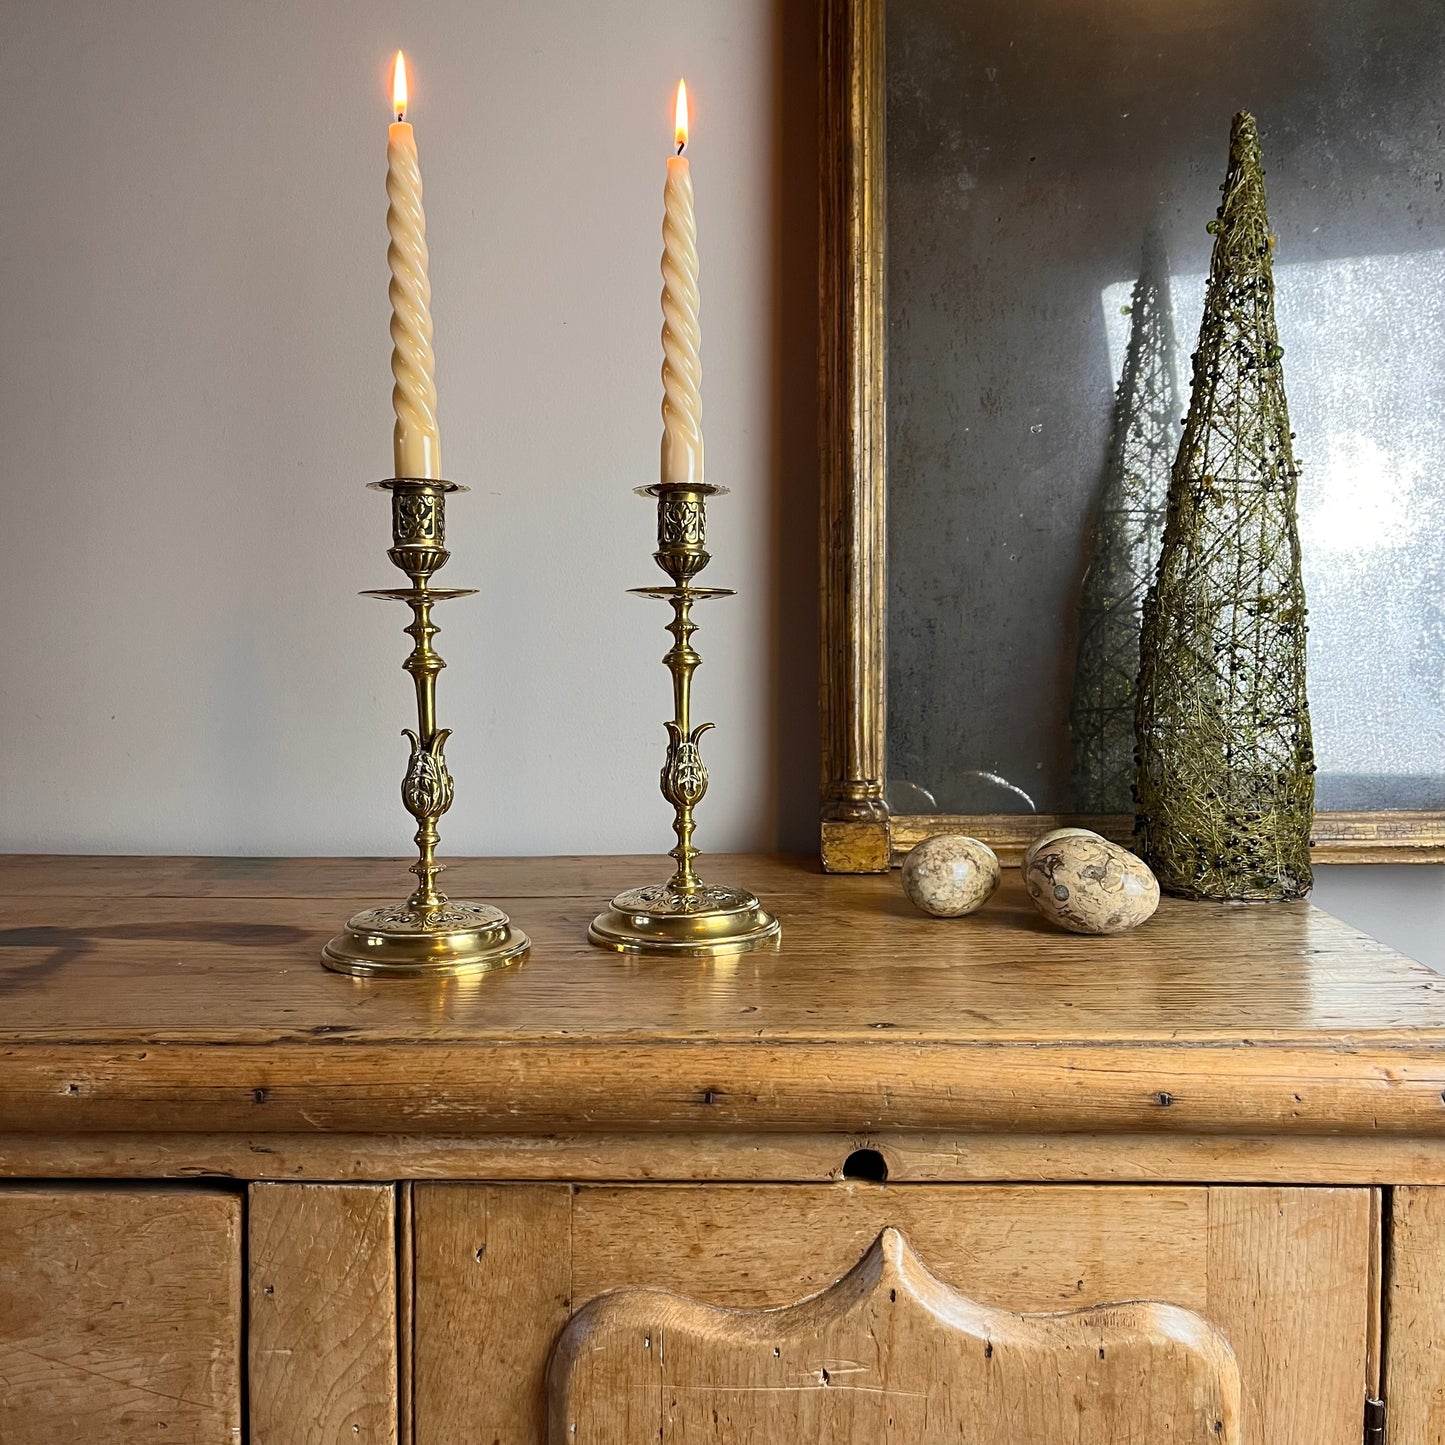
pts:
[1051, 168]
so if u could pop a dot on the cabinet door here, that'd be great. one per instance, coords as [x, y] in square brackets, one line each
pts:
[1282, 1275]
[120, 1316]
[1415, 1343]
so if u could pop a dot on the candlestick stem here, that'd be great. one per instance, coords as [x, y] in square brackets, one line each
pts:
[427, 787]
[684, 779]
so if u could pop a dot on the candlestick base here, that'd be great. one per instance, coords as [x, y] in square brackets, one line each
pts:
[403, 942]
[698, 923]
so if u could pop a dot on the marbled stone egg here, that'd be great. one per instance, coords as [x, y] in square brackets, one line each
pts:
[1087, 884]
[950, 875]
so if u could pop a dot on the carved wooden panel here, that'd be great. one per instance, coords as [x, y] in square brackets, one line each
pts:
[888, 1353]
[1281, 1273]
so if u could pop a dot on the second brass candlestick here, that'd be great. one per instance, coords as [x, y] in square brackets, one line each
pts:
[685, 915]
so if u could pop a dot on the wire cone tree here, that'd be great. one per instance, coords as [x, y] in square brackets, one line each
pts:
[1226, 766]
[1128, 531]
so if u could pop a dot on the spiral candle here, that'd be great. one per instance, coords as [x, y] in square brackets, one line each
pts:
[416, 440]
[681, 334]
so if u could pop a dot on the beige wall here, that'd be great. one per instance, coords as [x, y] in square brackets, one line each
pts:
[194, 387]
[1403, 906]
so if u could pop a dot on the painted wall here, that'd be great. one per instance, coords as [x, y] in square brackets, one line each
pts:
[194, 389]
[1404, 906]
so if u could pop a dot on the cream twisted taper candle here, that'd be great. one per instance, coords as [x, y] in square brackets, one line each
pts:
[416, 440]
[681, 334]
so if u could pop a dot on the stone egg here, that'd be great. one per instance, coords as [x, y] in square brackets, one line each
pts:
[1087, 884]
[950, 875]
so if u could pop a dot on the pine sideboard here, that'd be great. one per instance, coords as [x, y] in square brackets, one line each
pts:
[903, 1179]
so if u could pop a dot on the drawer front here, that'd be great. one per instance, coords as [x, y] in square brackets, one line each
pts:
[120, 1316]
[1282, 1274]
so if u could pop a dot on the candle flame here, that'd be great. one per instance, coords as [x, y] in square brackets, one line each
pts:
[398, 85]
[680, 116]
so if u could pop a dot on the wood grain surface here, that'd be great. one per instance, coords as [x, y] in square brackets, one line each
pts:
[323, 1324]
[185, 996]
[670, 1157]
[1289, 1281]
[909, 1157]
[1283, 1274]
[493, 1289]
[120, 1316]
[1415, 1314]
[888, 1352]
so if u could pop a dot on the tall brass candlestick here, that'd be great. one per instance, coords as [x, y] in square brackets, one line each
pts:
[683, 915]
[428, 934]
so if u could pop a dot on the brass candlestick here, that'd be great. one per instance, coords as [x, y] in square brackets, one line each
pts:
[428, 934]
[683, 915]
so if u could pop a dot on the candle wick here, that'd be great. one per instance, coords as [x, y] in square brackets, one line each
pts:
[681, 146]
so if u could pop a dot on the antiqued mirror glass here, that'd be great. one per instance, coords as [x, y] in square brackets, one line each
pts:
[1051, 169]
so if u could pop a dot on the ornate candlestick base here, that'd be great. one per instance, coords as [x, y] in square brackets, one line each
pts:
[685, 915]
[428, 934]
[709, 920]
[456, 938]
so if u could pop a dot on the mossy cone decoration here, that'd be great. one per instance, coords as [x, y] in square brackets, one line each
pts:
[1128, 533]
[1226, 766]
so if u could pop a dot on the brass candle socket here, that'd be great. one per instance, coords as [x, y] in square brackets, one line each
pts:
[684, 915]
[429, 934]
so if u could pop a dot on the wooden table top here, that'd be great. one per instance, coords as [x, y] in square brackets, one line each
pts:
[187, 994]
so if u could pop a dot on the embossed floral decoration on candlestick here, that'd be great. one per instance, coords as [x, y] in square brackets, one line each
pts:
[1128, 532]
[1226, 763]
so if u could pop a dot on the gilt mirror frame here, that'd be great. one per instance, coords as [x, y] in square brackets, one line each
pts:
[858, 833]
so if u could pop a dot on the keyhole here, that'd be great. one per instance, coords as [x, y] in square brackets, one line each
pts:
[866, 1164]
